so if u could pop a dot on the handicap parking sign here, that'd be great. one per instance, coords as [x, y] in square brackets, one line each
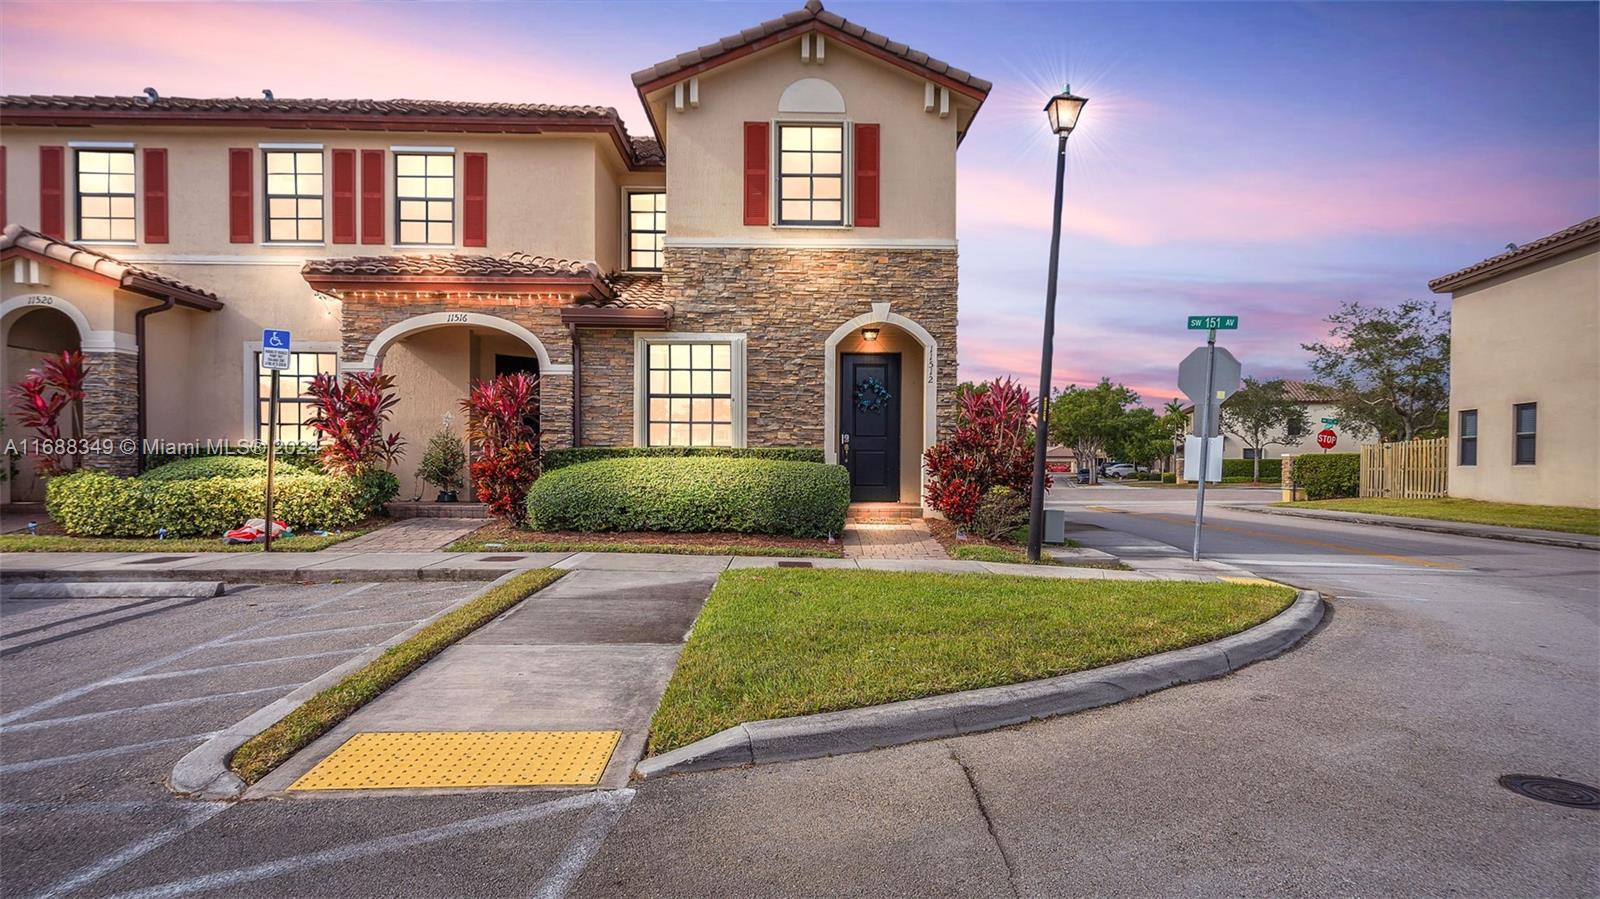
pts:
[274, 340]
[275, 350]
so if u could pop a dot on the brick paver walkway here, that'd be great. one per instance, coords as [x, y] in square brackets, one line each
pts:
[413, 535]
[899, 540]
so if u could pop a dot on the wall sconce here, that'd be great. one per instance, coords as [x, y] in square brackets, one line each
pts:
[869, 334]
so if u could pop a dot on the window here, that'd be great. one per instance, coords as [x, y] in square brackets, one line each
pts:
[810, 174]
[1467, 449]
[105, 195]
[647, 229]
[1525, 418]
[294, 195]
[1297, 427]
[294, 403]
[690, 394]
[425, 194]
[1249, 454]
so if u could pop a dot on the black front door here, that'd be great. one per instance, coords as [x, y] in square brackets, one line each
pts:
[869, 425]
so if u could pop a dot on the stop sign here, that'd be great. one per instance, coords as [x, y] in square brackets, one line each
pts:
[1327, 439]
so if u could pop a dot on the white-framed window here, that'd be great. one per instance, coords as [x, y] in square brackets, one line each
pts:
[105, 192]
[294, 402]
[690, 389]
[294, 193]
[646, 229]
[425, 198]
[811, 181]
[1525, 422]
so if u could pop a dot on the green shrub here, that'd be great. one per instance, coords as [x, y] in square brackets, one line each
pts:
[443, 461]
[299, 456]
[96, 504]
[373, 489]
[1169, 477]
[690, 495]
[209, 467]
[1001, 511]
[1328, 475]
[561, 458]
[1244, 468]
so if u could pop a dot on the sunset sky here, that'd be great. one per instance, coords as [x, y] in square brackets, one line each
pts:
[1265, 160]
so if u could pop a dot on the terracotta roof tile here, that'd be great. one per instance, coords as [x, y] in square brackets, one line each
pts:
[812, 11]
[1305, 391]
[634, 292]
[19, 237]
[1587, 231]
[648, 151]
[509, 265]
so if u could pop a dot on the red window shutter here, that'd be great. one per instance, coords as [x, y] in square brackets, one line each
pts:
[757, 166]
[866, 195]
[344, 196]
[52, 192]
[241, 198]
[475, 200]
[155, 195]
[372, 227]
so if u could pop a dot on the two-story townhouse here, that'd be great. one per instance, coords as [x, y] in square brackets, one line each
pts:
[801, 291]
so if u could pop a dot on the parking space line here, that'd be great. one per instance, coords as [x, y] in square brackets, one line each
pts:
[33, 764]
[318, 633]
[99, 625]
[218, 880]
[576, 857]
[185, 672]
[198, 815]
[95, 614]
[126, 710]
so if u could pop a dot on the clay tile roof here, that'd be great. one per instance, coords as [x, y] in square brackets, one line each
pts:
[1304, 391]
[452, 265]
[635, 292]
[648, 151]
[1584, 232]
[130, 276]
[812, 11]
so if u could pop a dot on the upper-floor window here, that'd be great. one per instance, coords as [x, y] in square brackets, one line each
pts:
[1525, 418]
[1467, 450]
[294, 195]
[105, 195]
[810, 174]
[425, 198]
[647, 229]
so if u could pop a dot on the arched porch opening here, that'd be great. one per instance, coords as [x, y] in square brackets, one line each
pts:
[32, 332]
[880, 387]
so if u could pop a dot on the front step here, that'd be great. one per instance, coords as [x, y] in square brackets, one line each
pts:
[436, 510]
[882, 512]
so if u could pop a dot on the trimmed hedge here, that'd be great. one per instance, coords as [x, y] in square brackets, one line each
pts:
[96, 504]
[302, 456]
[1328, 475]
[692, 495]
[561, 458]
[1271, 469]
[196, 467]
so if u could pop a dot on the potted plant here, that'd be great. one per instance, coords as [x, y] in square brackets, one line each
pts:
[441, 465]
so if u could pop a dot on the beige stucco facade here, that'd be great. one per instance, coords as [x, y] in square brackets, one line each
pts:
[1529, 333]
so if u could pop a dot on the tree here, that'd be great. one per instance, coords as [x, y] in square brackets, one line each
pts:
[1175, 423]
[992, 446]
[1387, 370]
[1090, 420]
[1143, 439]
[1261, 414]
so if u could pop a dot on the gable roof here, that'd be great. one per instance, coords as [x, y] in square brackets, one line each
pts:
[349, 114]
[429, 272]
[16, 239]
[1584, 232]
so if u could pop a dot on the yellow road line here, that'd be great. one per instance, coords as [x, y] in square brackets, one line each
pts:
[423, 759]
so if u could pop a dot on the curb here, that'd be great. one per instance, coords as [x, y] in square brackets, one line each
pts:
[250, 575]
[115, 589]
[204, 774]
[989, 708]
[1414, 524]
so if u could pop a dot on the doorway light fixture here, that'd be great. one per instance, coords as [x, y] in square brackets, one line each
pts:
[869, 334]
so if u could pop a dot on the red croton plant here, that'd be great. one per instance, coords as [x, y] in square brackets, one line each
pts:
[500, 422]
[349, 415]
[992, 446]
[54, 387]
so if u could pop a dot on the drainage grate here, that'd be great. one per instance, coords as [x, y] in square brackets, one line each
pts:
[1552, 789]
[794, 565]
[502, 559]
[156, 561]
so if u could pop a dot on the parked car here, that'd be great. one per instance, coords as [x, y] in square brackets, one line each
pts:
[1122, 469]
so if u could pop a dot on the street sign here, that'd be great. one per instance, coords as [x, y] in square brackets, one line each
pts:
[275, 350]
[1330, 421]
[1213, 322]
[275, 340]
[1327, 439]
[275, 346]
[1191, 459]
[1192, 377]
[1208, 376]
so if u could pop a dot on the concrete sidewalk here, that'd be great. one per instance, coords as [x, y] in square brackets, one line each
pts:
[1434, 526]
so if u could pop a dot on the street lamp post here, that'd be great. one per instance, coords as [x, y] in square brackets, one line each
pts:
[1063, 110]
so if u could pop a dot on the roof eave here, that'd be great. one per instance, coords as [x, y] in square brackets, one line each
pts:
[1472, 275]
[443, 283]
[616, 317]
[161, 291]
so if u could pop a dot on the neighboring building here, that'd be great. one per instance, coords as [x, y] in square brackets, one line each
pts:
[1317, 406]
[1525, 372]
[799, 248]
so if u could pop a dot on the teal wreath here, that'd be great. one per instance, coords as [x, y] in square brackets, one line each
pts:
[871, 396]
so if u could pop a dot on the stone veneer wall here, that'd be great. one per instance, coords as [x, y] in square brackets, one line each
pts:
[111, 409]
[607, 387]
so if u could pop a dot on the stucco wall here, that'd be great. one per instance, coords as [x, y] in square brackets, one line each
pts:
[1530, 336]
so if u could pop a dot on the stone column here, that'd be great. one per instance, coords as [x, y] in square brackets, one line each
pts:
[111, 410]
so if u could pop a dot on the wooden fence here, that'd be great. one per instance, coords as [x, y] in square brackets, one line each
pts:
[1416, 469]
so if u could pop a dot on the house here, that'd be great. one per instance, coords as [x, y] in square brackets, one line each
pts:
[1525, 372]
[796, 254]
[1318, 406]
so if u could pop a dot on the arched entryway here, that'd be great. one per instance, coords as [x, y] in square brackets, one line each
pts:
[881, 389]
[32, 332]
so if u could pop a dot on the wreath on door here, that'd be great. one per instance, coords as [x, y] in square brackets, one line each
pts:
[871, 396]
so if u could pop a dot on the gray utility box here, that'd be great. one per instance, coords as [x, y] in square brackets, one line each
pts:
[1055, 526]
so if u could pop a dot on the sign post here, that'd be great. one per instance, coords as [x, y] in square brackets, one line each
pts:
[275, 358]
[1208, 376]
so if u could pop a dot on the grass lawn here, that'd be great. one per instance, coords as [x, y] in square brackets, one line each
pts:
[266, 750]
[61, 543]
[508, 539]
[1570, 519]
[1012, 548]
[777, 643]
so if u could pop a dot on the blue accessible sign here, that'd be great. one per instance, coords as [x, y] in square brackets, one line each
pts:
[275, 349]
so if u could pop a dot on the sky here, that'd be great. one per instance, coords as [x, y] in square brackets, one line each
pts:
[1265, 160]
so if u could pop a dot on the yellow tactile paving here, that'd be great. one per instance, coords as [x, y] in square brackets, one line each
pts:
[1256, 581]
[497, 758]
